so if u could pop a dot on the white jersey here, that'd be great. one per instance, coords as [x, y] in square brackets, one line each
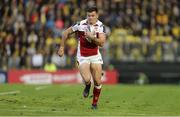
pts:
[85, 47]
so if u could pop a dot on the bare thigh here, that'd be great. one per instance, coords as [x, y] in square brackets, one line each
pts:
[96, 71]
[85, 72]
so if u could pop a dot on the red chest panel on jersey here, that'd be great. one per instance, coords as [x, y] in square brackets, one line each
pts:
[86, 48]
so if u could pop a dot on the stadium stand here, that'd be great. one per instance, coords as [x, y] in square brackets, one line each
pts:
[137, 30]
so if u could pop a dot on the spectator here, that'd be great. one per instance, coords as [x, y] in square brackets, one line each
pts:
[50, 67]
[37, 60]
[137, 30]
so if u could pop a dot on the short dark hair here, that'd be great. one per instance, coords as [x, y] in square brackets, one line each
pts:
[91, 9]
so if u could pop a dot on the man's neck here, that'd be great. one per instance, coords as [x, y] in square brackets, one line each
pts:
[93, 23]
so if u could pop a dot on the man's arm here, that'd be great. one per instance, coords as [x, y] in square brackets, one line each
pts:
[99, 41]
[65, 35]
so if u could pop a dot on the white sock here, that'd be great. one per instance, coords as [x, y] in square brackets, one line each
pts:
[98, 87]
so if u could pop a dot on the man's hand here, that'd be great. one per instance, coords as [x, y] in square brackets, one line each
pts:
[61, 51]
[89, 36]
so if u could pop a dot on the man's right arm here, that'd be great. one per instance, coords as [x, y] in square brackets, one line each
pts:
[65, 35]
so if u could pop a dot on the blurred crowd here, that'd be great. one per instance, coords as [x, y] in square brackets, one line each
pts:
[137, 31]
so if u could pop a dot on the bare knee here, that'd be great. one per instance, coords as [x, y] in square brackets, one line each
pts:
[86, 78]
[97, 82]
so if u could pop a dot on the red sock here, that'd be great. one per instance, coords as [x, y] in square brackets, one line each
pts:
[96, 93]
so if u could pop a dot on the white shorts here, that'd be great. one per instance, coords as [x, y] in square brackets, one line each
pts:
[90, 59]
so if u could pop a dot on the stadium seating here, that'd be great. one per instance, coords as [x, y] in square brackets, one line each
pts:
[137, 30]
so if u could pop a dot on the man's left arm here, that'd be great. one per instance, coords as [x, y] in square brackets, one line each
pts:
[100, 40]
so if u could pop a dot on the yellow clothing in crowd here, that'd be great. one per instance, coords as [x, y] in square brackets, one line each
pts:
[50, 67]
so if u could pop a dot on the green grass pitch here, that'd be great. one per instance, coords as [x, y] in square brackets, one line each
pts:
[67, 100]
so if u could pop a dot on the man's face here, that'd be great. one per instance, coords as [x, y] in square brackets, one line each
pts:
[92, 17]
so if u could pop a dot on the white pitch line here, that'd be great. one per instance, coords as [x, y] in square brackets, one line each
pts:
[10, 92]
[41, 87]
[30, 110]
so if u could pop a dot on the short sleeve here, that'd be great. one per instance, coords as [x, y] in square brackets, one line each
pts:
[75, 26]
[102, 29]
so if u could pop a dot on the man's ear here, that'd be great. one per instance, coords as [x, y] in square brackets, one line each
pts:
[97, 16]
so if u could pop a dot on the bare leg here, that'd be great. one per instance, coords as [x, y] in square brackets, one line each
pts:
[86, 75]
[96, 70]
[84, 70]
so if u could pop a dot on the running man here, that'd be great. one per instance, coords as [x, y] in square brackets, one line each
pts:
[91, 35]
